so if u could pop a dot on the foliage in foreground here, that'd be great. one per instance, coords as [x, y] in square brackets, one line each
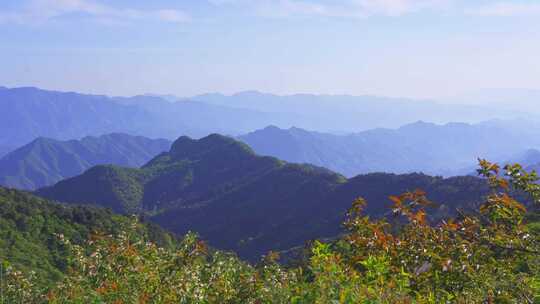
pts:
[489, 257]
[29, 227]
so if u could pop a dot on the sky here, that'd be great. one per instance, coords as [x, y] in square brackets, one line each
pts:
[405, 48]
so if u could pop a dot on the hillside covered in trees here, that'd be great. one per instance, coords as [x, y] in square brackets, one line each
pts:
[240, 201]
[45, 161]
[31, 229]
[489, 256]
[270, 152]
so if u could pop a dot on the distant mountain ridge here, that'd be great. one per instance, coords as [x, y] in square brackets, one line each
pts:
[240, 201]
[417, 147]
[347, 113]
[529, 159]
[509, 98]
[46, 161]
[31, 112]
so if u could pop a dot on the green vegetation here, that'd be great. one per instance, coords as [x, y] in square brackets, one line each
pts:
[45, 161]
[250, 204]
[490, 256]
[30, 228]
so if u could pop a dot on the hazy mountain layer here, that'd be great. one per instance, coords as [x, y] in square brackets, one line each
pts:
[30, 113]
[418, 147]
[356, 113]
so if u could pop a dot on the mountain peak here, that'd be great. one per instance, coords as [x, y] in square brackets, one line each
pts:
[37, 144]
[420, 124]
[45, 161]
[42, 140]
[187, 148]
[272, 128]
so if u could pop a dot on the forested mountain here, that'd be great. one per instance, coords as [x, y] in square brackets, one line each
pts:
[46, 161]
[237, 200]
[417, 147]
[30, 230]
[370, 261]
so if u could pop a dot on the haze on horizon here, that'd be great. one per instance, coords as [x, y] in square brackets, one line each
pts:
[401, 48]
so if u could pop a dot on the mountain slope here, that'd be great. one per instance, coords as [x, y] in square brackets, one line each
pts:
[425, 147]
[46, 161]
[30, 229]
[251, 204]
[193, 170]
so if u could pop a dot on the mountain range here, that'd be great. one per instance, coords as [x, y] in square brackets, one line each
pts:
[449, 149]
[349, 114]
[218, 186]
[251, 204]
[31, 112]
[505, 98]
[45, 161]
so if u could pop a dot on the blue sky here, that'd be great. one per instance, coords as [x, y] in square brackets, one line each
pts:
[410, 48]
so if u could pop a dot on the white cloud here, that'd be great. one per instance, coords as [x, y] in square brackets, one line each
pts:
[38, 11]
[506, 9]
[397, 7]
[172, 15]
[328, 8]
